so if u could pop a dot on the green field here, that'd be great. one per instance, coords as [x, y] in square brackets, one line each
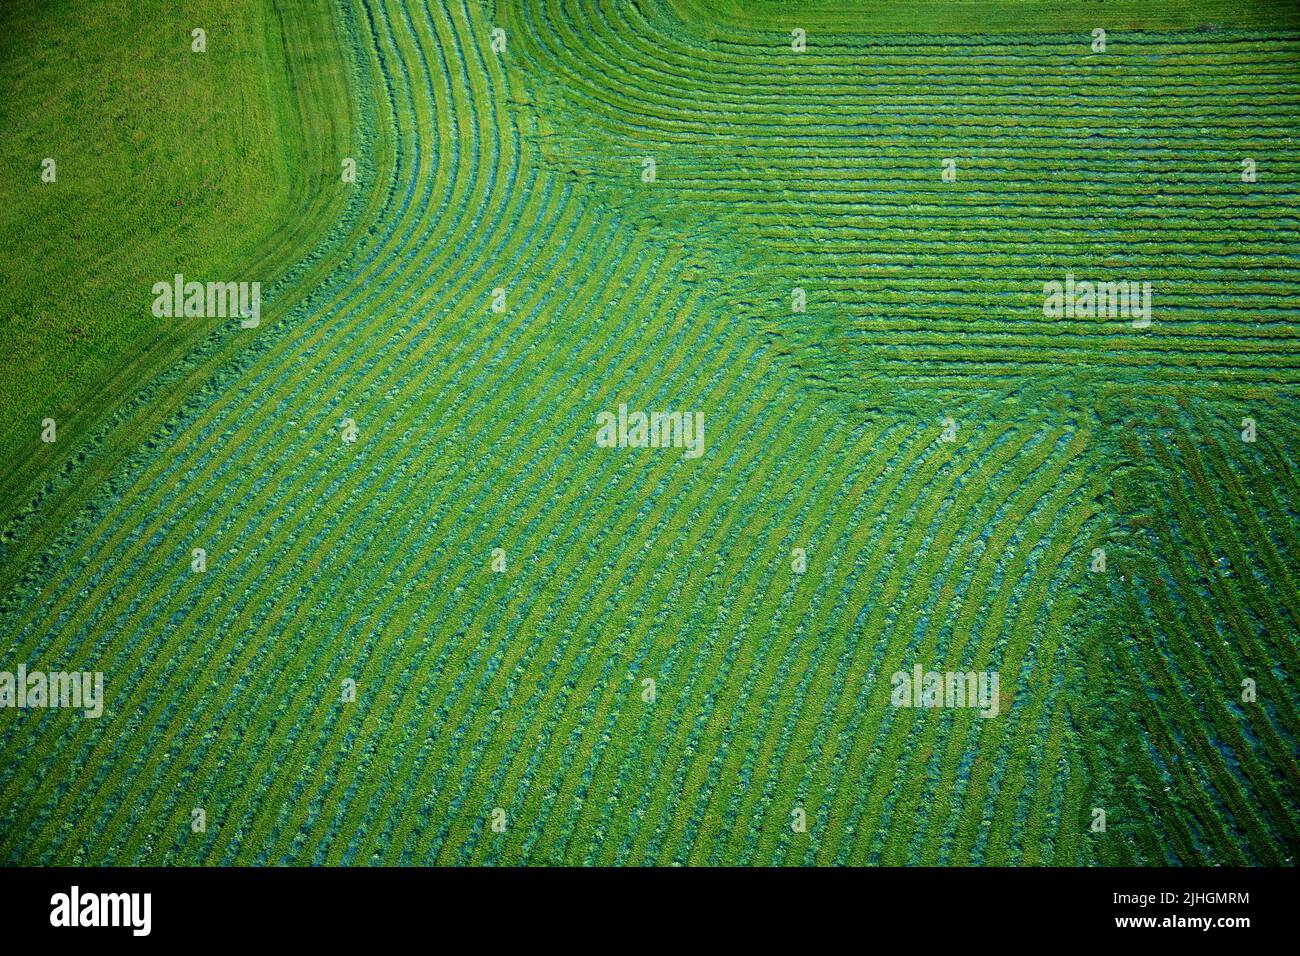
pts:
[645, 672]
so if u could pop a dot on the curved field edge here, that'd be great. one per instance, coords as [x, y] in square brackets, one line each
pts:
[523, 690]
[240, 185]
[808, 730]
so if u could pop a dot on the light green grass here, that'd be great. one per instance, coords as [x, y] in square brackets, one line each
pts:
[222, 166]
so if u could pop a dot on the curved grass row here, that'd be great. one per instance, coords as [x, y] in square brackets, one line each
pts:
[237, 180]
[679, 93]
[1208, 601]
[522, 690]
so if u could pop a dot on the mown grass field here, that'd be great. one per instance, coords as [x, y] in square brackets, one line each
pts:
[524, 690]
[165, 161]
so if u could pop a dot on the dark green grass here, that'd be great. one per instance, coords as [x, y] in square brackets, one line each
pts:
[523, 690]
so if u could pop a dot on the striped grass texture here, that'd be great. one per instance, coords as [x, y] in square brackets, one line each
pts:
[524, 691]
